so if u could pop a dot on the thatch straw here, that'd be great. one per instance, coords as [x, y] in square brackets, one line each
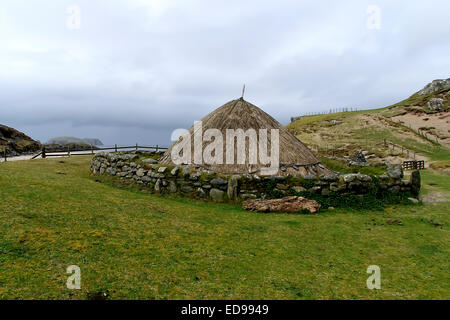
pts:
[295, 157]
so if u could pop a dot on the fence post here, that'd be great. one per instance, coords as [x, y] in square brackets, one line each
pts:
[136, 146]
[115, 146]
[92, 149]
[157, 148]
[68, 150]
[43, 152]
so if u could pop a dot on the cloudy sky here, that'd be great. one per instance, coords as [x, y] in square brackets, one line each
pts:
[128, 71]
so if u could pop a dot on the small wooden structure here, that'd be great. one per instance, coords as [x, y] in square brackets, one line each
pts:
[414, 165]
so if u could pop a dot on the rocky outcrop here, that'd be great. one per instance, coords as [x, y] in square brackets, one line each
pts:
[16, 142]
[435, 104]
[290, 204]
[435, 86]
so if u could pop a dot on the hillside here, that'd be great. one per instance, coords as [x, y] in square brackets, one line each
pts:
[418, 125]
[16, 142]
[75, 141]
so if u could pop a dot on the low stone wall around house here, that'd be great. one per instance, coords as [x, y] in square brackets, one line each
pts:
[143, 169]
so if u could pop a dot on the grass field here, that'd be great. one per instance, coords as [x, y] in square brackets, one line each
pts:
[134, 245]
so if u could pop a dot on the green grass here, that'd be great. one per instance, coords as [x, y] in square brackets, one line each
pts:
[136, 245]
[342, 167]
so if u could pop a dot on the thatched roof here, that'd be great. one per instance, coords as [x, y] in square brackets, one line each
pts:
[294, 157]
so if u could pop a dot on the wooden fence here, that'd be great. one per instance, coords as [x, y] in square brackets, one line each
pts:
[70, 152]
[409, 153]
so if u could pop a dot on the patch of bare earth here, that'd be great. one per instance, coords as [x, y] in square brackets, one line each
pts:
[439, 124]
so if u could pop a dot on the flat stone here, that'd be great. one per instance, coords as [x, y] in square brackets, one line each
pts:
[218, 182]
[162, 169]
[216, 194]
[329, 177]
[149, 161]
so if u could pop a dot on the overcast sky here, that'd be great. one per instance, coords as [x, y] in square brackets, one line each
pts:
[128, 71]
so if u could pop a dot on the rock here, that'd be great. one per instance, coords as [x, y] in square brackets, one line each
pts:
[216, 194]
[435, 104]
[329, 177]
[186, 171]
[186, 189]
[349, 177]
[298, 189]
[218, 182]
[363, 177]
[200, 192]
[233, 185]
[335, 122]
[149, 161]
[358, 157]
[140, 173]
[309, 176]
[325, 192]
[162, 169]
[335, 187]
[195, 176]
[395, 174]
[172, 187]
[158, 185]
[281, 186]
[175, 171]
[415, 183]
[207, 186]
[435, 86]
[111, 171]
[413, 200]
[289, 204]
[394, 189]
[246, 196]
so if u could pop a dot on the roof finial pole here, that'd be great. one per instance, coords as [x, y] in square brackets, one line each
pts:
[243, 91]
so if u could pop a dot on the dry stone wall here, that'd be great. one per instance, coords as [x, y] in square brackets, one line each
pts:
[143, 169]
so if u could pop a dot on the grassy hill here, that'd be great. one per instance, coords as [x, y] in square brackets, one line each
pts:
[410, 124]
[134, 245]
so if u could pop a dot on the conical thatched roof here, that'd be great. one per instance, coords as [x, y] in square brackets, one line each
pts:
[294, 157]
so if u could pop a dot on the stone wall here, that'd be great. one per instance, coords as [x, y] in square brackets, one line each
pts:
[143, 169]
